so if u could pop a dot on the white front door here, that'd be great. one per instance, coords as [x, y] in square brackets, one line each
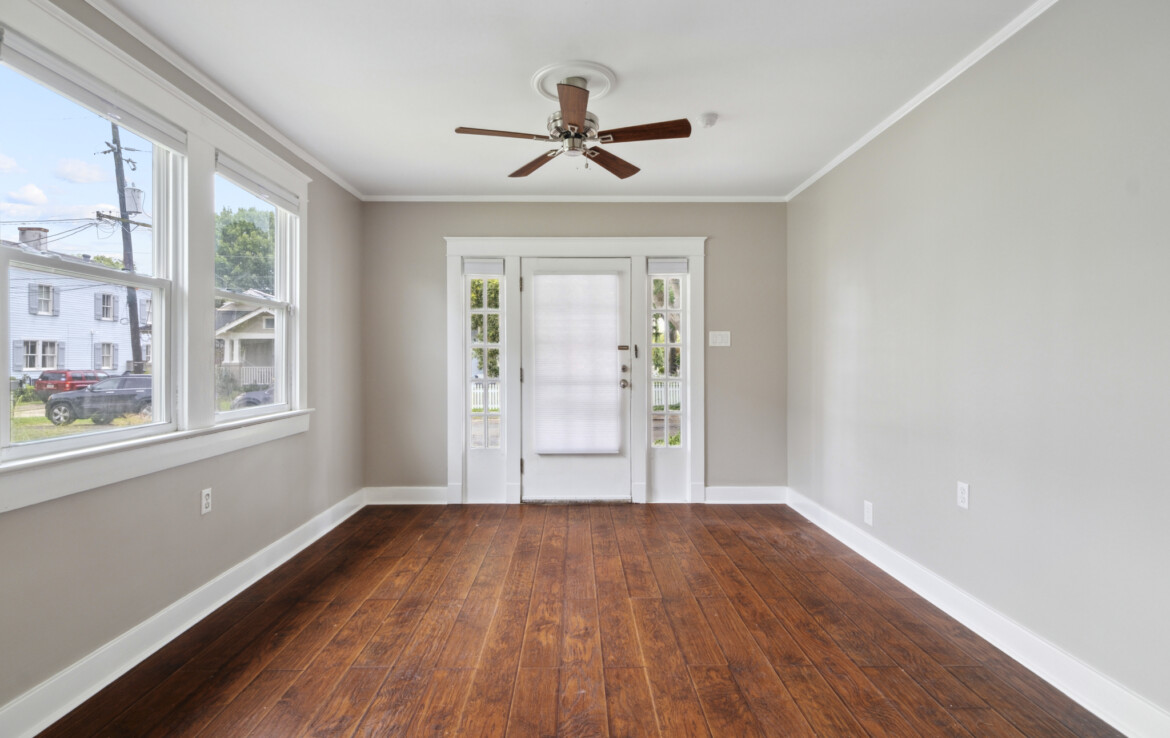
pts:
[576, 361]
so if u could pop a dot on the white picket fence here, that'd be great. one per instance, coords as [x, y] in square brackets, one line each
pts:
[243, 375]
[493, 396]
[663, 391]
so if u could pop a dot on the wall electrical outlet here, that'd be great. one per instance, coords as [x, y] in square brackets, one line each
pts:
[205, 502]
[868, 512]
[963, 493]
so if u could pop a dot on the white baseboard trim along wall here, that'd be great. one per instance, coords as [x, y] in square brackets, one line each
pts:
[1125, 710]
[50, 700]
[42, 705]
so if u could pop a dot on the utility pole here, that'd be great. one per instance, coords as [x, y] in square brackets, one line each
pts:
[127, 253]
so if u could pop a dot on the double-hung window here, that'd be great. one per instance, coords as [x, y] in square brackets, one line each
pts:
[256, 228]
[107, 247]
[82, 237]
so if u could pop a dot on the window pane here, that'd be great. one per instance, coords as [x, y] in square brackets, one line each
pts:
[493, 294]
[245, 356]
[493, 431]
[657, 299]
[476, 328]
[493, 329]
[476, 293]
[658, 395]
[57, 355]
[493, 397]
[477, 397]
[58, 170]
[658, 429]
[477, 431]
[673, 395]
[675, 431]
[493, 362]
[477, 363]
[245, 241]
[674, 297]
[657, 328]
[675, 362]
[658, 362]
[675, 334]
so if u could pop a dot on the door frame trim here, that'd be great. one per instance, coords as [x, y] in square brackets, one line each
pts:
[511, 250]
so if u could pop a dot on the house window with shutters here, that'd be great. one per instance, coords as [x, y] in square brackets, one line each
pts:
[44, 299]
[106, 306]
[105, 356]
[36, 355]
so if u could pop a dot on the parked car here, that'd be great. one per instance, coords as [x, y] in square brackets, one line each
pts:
[103, 401]
[65, 380]
[254, 398]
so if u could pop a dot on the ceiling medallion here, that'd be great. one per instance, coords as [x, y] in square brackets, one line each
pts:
[600, 78]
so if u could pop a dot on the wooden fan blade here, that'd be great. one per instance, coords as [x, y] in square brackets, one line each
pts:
[615, 164]
[680, 128]
[505, 134]
[573, 103]
[536, 163]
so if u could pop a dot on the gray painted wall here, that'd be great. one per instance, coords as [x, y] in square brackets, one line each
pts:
[404, 293]
[78, 571]
[980, 295]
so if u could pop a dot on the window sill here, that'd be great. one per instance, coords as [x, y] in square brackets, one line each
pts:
[30, 481]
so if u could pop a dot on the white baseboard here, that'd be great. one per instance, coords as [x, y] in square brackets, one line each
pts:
[745, 495]
[50, 700]
[1122, 708]
[406, 495]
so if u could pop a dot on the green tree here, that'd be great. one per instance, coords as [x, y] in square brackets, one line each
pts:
[245, 250]
[108, 261]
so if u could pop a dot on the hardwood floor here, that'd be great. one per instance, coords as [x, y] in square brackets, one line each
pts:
[634, 620]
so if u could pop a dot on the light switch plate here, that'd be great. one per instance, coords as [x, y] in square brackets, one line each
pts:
[719, 338]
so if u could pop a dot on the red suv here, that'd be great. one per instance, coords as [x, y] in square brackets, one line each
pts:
[65, 380]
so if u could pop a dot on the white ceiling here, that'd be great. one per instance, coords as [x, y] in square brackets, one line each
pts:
[374, 90]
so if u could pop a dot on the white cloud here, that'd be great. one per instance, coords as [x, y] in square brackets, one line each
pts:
[30, 194]
[8, 165]
[80, 172]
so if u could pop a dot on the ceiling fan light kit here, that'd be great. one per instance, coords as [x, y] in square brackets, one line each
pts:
[576, 131]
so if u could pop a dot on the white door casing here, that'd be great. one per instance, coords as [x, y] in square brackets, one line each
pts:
[468, 478]
[577, 380]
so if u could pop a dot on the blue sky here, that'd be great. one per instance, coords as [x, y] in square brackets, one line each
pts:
[53, 174]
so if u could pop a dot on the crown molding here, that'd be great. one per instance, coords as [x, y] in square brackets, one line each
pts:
[575, 198]
[172, 57]
[1019, 22]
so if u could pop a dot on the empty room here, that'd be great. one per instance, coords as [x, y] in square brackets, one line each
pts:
[780, 368]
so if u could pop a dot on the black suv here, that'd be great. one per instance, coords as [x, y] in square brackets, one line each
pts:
[104, 401]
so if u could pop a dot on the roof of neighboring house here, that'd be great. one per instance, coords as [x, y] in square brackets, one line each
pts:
[242, 316]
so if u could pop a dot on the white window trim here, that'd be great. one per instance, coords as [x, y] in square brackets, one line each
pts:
[511, 250]
[191, 432]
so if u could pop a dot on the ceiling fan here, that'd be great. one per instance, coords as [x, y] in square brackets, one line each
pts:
[575, 131]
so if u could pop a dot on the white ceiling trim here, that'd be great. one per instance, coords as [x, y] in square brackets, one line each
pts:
[574, 198]
[150, 41]
[1020, 21]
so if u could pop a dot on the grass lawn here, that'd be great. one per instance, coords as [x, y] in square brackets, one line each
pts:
[39, 428]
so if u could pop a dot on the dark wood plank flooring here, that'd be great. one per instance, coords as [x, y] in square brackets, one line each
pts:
[635, 620]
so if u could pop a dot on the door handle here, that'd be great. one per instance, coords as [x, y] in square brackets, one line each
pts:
[624, 383]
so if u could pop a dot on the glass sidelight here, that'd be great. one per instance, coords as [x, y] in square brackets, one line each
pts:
[485, 341]
[667, 378]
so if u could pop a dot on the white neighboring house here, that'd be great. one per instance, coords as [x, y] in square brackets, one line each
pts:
[244, 345]
[61, 322]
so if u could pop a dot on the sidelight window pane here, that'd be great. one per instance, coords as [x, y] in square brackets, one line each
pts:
[476, 294]
[657, 298]
[674, 297]
[493, 294]
[675, 334]
[658, 362]
[657, 328]
[675, 367]
[493, 329]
